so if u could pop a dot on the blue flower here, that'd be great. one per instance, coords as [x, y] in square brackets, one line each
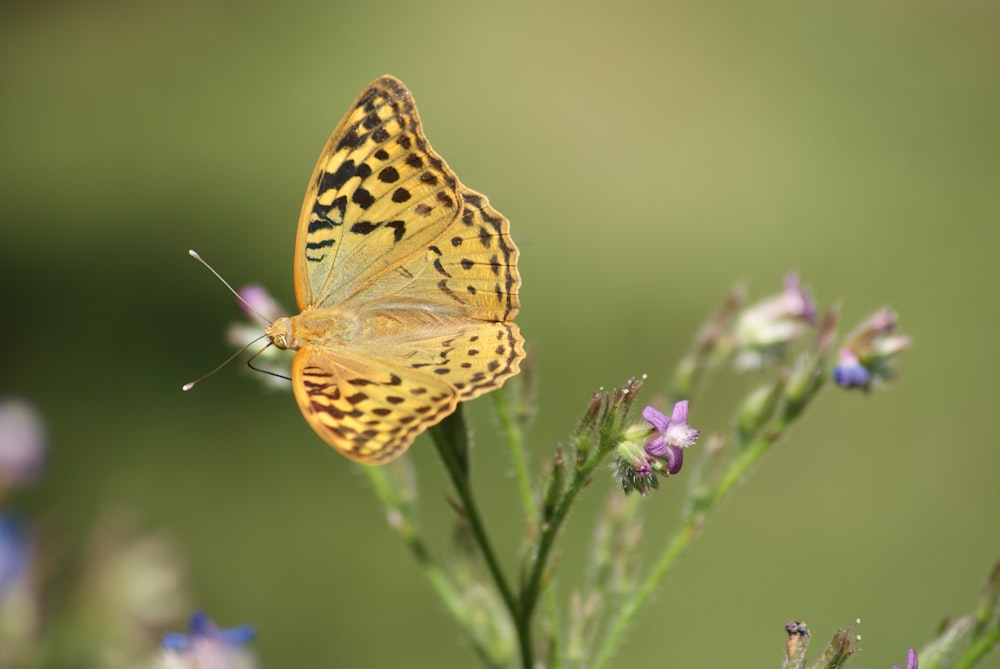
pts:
[15, 554]
[673, 435]
[207, 646]
[849, 372]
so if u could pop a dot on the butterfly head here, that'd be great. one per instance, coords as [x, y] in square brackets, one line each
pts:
[280, 333]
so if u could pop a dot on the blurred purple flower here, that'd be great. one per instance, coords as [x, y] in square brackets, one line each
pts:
[867, 354]
[911, 660]
[206, 646]
[22, 443]
[258, 301]
[766, 328]
[240, 334]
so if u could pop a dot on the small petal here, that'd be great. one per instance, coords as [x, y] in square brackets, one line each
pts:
[680, 412]
[657, 418]
[675, 459]
[658, 447]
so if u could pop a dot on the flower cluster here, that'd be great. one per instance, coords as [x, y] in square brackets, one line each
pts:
[866, 355]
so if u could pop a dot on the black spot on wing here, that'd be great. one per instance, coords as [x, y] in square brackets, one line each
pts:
[398, 229]
[364, 227]
[363, 198]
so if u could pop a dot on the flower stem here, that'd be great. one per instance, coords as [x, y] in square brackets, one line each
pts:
[515, 441]
[979, 649]
[459, 478]
[401, 521]
[532, 585]
[694, 518]
[627, 612]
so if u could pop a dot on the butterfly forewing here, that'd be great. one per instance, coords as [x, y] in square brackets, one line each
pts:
[471, 270]
[378, 195]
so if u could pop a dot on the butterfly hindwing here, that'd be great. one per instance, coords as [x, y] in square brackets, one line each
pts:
[367, 409]
[370, 402]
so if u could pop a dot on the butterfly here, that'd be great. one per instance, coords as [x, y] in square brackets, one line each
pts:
[406, 282]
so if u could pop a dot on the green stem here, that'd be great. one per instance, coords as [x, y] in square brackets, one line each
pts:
[403, 524]
[979, 649]
[627, 612]
[533, 584]
[693, 520]
[459, 479]
[515, 441]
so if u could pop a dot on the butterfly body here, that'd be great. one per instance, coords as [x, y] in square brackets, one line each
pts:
[406, 282]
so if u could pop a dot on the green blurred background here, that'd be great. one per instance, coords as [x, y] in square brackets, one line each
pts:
[648, 156]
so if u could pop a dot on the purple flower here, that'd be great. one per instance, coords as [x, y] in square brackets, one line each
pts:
[22, 443]
[673, 435]
[911, 660]
[206, 646]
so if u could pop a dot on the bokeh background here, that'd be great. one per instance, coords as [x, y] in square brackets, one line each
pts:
[648, 155]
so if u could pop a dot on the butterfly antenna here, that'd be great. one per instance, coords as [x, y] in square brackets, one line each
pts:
[191, 384]
[194, 254]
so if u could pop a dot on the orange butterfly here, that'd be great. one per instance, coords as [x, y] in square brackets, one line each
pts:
[406, 281]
